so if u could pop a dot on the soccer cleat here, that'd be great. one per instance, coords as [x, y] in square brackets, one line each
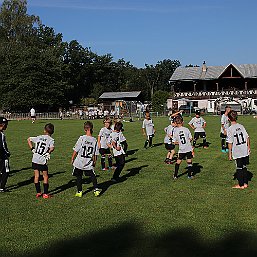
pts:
[223, 151]
[226, 151]
[105, 169]
[79, 194]
[38, 195]
[97, 192]
[2, 190]
[175, 177]
[190, 177]
[46, 196]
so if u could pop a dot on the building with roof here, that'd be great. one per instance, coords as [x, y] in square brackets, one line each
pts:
[204, 85]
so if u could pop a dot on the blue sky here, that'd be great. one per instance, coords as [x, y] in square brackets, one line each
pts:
[147, 31]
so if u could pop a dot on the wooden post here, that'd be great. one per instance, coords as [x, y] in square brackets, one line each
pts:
[246, 85]
[217, 86]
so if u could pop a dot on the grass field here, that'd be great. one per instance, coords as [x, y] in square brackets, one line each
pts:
[147, 214]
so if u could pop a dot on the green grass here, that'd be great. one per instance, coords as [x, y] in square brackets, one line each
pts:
[148, 214]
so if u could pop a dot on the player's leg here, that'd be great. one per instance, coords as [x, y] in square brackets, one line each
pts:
[223, 142]
[37, 183]
[92, 175]
[239, 174]
[146, 142]
[178, 162]
[151, 141]
[78, 174]
[204, 140]
[46, 183]
[4, 174]
[102, 152]
[110, 161]
[120, 163]
[245, 172]
[189, 166]
[196, 136]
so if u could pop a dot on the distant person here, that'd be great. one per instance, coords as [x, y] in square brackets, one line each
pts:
[198, 124]
[43, 147]
[84, 158]
[81, 114]
[148, 130]
[223, 130]
[169, 145]
[239, 149]
[4, 155]
[60, 115]
[33, 114]
[182, 137]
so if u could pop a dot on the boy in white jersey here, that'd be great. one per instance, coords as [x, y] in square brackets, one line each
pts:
[44, 146]
[182, 137]
[223, 130]
[84, 158]
[104, 142]
[118, 151]
[198, 124]
[168, 142]
[148, 130]
[239, 149]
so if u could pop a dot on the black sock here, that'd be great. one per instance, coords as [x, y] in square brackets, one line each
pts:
[79, 183]
[146, 143]
[194, 143]
[38, 189]
[46, 186]
[204, 143]
[189, 169]
[176, 170]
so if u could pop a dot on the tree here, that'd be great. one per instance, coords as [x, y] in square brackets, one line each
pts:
[159, 101]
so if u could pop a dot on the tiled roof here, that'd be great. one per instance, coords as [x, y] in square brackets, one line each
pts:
[212, 72]
[120, 95]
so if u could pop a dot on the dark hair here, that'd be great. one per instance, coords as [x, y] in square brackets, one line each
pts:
[118, 126]
[3, 120]
[178, 119]
[49, 128]
[88, 125]
[232, 115]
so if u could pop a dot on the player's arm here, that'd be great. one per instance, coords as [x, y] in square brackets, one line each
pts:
[99, 141]
[115, 146]
[74, 155]
[143, 131]
[31, 147]
[230, 151]
[191, 125]
[204, 124]
[51, 149]
[248, 144]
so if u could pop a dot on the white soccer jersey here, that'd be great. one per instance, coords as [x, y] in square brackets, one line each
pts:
[115, 137]
[148, 126]
[169, 134]
[198, 124]
[42, 144]
[32, 112]
[86, 148]
[104, 135]
[237, 136]
[224, 121]
[183, 136]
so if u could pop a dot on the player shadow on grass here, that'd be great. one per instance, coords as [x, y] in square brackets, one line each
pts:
[196, 168]
[72, 183]
[131, 152]
[30, 181]
[158, 144]
[202, 145]
[131, 172]
[12, 172]
[128, 239]
[130, 160]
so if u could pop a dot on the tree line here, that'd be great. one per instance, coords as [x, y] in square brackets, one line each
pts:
[38, 68]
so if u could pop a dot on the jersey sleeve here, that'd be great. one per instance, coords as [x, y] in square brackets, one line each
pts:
[100, 133]
[78, 144]
[191, 121]
[96, 149]
[143, 125]
[33, 139]
[51, 143]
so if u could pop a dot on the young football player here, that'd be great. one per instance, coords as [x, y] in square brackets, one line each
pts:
[4, 155]
[182, 137]
[118, 151]
[44, 146]
[103, 144]
[84, 158]
[123, 139]
[148, 130]
[198, 124]
[223, 130]
[33, 114]
[239, 149]
[168, 142]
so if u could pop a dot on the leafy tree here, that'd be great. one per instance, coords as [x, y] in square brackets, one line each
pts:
[159, 101]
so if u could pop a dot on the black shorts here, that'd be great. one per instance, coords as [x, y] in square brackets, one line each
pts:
[169, 146]
[222, 135]
[33, 117]
[104, 151]
[4, 166]
[78, 172]
[39, 167]
[199, 134]
[187, 155]
[242, 162]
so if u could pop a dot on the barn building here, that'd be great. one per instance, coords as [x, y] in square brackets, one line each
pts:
[202, 86]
